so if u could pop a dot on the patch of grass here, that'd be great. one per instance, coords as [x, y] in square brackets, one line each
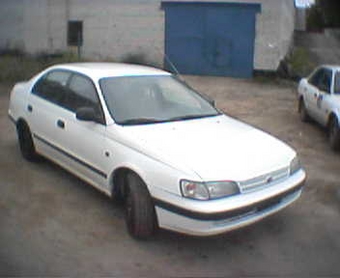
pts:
[300, 63]
[265, 76]
[14, 68]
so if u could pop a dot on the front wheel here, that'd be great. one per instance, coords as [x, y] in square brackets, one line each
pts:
[140, 212]
[334, 134]
[304, 117]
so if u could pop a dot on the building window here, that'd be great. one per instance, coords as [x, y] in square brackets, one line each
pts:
[75, 33]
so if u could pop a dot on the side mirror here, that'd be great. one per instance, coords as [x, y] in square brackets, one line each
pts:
[86, 114]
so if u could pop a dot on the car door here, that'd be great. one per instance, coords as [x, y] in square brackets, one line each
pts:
[44, 106]
[324, 96]
[84, 141]
[311, 93]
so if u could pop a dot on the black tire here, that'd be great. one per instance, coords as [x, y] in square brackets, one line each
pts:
[140, 212]
[26, 143]
[334, 134]
[304, 117]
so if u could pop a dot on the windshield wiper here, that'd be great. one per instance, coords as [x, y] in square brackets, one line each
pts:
[192, 117]
[141, 121]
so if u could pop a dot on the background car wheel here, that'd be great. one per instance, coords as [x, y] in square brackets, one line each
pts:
[140, 212]
[26, 142]
[334, 134]
[302, 111]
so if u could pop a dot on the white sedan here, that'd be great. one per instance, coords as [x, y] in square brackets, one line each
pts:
[139, 134]
[319, 98]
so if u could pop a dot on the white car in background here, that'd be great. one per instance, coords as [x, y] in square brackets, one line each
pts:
[139, 134]
[319, 99]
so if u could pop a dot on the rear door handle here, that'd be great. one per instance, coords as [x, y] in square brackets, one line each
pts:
[61, 124]
[29, 108]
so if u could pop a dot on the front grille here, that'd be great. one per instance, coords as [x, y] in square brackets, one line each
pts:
[263, 181]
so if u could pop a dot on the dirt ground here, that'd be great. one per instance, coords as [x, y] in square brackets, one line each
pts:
[52, 224]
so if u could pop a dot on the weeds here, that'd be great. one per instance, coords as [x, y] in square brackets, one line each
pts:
[300, 63]
[14, 68]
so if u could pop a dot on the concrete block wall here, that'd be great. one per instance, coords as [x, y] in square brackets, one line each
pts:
[117, 28]
[11, 24]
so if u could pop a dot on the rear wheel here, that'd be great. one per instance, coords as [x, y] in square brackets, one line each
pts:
[334, 134]
[26, 143]
[304, 117]
[140, 213]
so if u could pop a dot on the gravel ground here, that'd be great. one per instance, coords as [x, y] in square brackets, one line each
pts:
[53, 224]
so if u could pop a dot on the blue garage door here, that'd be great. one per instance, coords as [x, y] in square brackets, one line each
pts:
[210, 38]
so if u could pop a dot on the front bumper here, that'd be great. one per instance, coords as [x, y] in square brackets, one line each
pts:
[204, 218]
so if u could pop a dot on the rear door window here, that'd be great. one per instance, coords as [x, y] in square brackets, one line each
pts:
[53, 86]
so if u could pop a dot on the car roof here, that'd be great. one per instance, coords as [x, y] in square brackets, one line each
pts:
[102, 70]
[332, 67]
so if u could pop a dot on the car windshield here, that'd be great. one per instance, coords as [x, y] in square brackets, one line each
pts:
[134, 100]
[337, 83]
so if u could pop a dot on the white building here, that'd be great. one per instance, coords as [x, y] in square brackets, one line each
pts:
[117, 28]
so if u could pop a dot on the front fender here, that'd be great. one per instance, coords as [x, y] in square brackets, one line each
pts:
[18, 101]
[160, 178]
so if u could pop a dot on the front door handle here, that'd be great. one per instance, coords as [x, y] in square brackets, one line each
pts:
[61, 124]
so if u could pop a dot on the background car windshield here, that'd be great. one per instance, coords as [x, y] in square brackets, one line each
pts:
[149, 99]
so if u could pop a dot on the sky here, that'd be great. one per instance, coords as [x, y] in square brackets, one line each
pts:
[304, 3]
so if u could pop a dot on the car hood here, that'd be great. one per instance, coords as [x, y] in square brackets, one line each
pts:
[216, 148]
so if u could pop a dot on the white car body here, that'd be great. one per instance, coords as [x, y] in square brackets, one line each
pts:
[320, 96]
[210, 149]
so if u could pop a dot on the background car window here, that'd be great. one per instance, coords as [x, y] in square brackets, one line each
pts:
[316, 77]
[326, 81]
[337, 83]
[322, 79]
[52, 86]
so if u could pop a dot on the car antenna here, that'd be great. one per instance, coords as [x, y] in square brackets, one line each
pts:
[172, 66]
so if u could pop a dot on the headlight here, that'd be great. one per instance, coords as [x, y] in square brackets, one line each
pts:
[208, 190]
[294, 165]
